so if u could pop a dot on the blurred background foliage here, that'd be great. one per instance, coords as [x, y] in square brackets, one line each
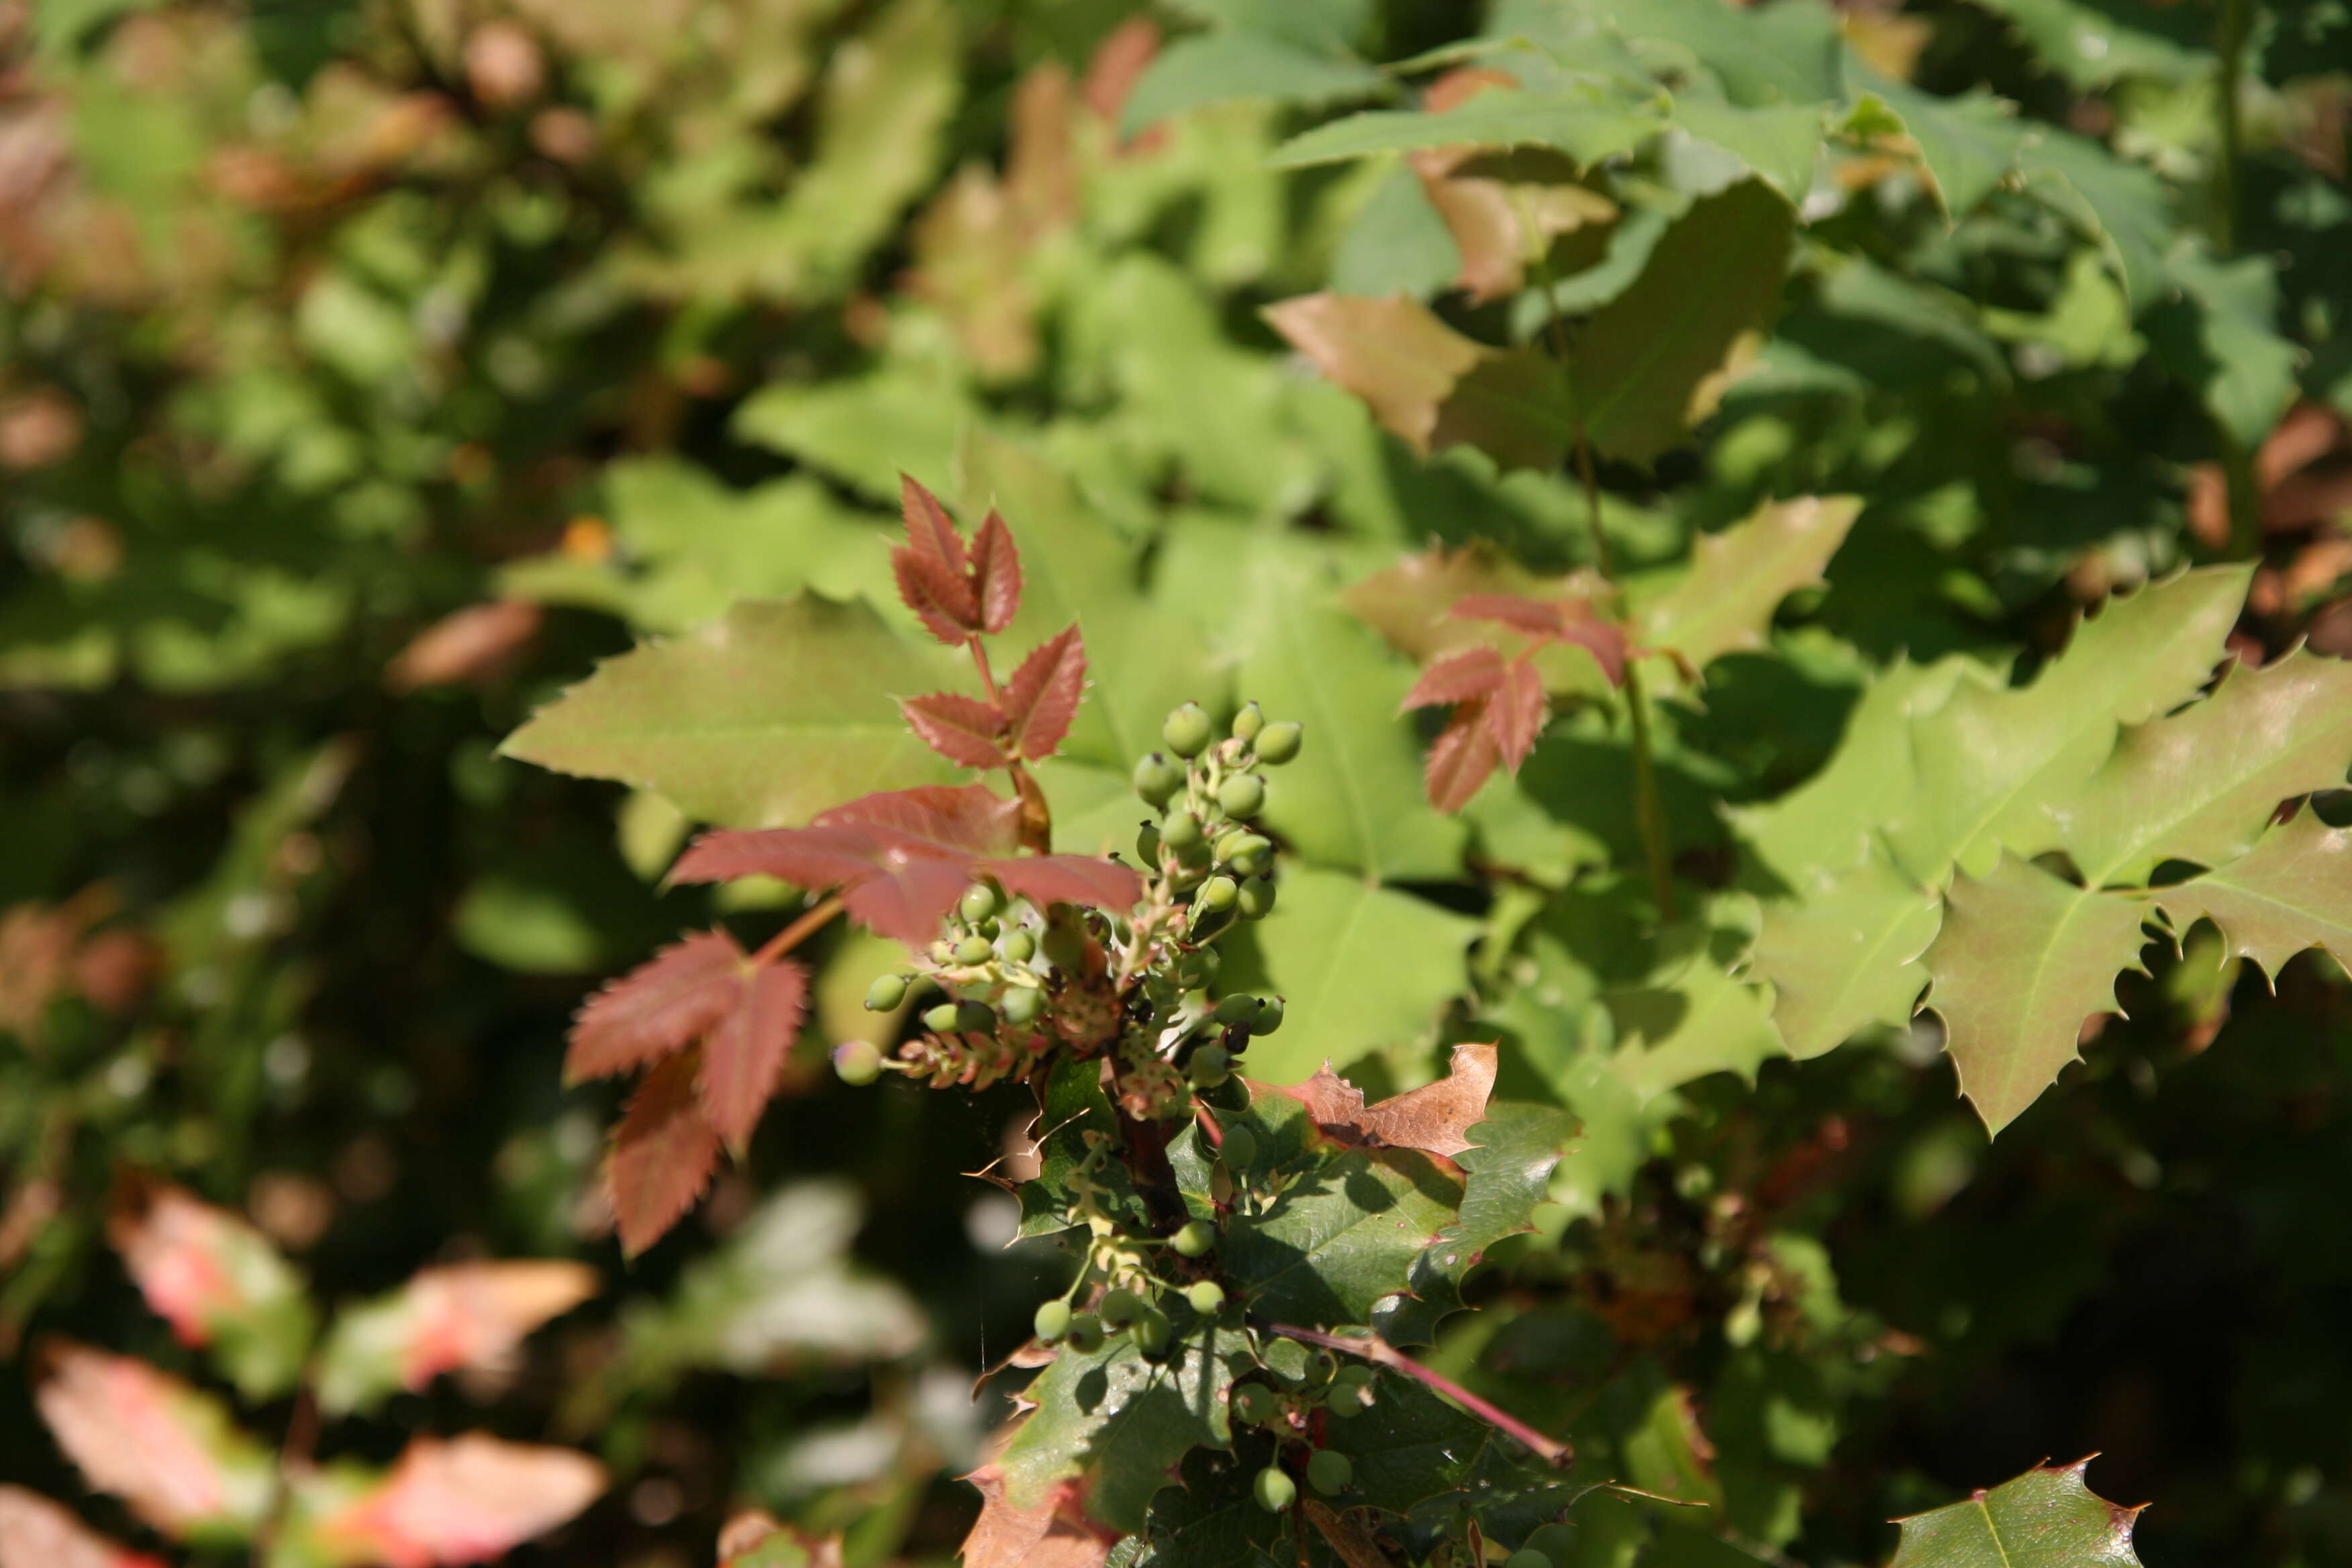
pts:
[369, 367]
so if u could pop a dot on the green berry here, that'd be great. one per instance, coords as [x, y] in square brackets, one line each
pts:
[1329, 1472]
[1248, 721]
[1253, 1404]
[940, 1019]
[1351, 1390]
[1274, 1491]
[1152, 1332]
[1197, 968]
[1238, 1008]
[979, 902]
[1156, 779]
[1241, 796]
[973, 950]
[1180, 830]
[1257, 899]
[1146, 844]
[975, 1018]
[1120, 1307]
[1217, 895]
[1240, 1148]
[1052, 1321]
[1021, 1004]
[1207, 1297]
[887, 991]
[1194, 1238]
[1245, 852]
[1085, 1335]
[1269, 1017]
[1278, 743]
[1210, 1066]
[1187, 731]
[1019, 947]
[1526, 1557]
[857, 1061]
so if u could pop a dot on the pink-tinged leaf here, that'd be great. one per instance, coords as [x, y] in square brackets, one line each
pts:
[1536, 617]
[37, 1534]
[655, 1008]
[1606, 643]
[170, 1452]
[468, 1499]
[995, 575]
[811, 858]
[930, 533]
[1052, 1533]
[745, 1054]
[961, 729]
[935, 819]
[202, 1270]
[1552, 620]
[1460, 759]
[1516, 714]
[1464, 677]
[663, 1154]
[1043, 696]
[938, 600]
[458, 1316]
[1069, 878]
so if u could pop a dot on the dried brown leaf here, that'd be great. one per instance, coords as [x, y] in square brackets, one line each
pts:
[1052, 1533]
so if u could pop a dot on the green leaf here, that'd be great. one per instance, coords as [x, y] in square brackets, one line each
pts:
[1362, 967]
[1505, 1173]
[760, 720]
[1674, 1030]
[1397, 242]
[1216, 66]
[865, 430]
[1724, 602]
[1654, 361]
[1992, 759]
[1338, 1237]
[2023, 961]
[2046, 1518]
[2287, 893]
[1970, 143]
[1117, 1424]
[1770, 54]
[1780, 142]
[2095, 43]
[1411, 1450]
[1847, 956]
[2121, 205]
[2221, 338]
[1588, 126]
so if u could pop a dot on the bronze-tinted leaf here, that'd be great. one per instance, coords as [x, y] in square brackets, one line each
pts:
[657, 1007]
[1463, 757]
[663, 1154]
[1043, 696]
[745, 1054]
[466, 1500]
[995, 575]
[1067, 878]
[1052, 1533]
[961, 729]
[1435, 1117]
[1464, 677]
[931, 534]
[1516, 713]
[926, 588]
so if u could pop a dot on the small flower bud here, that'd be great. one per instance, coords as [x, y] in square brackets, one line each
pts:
[940, 1019]
[1217, 894]
[1120, 1307]
[1021, 1004]
[1329, 1471]
[1019, 947]
[973, 950]
[1085, 1335]
[1207, 1297]
[1238, 1008]
[1152, 1332]
[1210, 1065]
[1180, 830]
[1269, 1015]
[1239, 1149]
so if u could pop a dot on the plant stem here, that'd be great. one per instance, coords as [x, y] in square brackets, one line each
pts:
[1374, 1348]
[1649, 808]
[2229, 49]
[800, 930]
[1036, 815]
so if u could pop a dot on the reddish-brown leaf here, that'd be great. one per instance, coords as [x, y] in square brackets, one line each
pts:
[938, 600]
[1463, 677]
[741, 1538]
[1516, 714]
[995, 575]
[166, 1449]
[1067, 878]
[478, 643]
[961, 729]
[745, 1053]
[657, 1007]
[1053, 1532]
[931, 532]
[468, 1499]
[1435, 1117]
[663, 1154]
[1042, 698]
[1552, 620]
[1461, 758]
[37, 1534]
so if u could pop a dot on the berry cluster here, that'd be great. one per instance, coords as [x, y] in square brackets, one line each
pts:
[1329, 1389]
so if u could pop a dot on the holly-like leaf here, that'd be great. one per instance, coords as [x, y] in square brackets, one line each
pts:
[995, 575]
[1048, 1533]
[1434, 1118]
[1847, 956]
[2046, 1518]
[664, 1153]
[218, 1281]
[1587, 126]
[1969, 144]
[1682, 1026]
[1412, 604]
[1737, 578]
[755, 1540]
[1412, 1451]
[1654, 361]
[767, 716]
[963, 729]
[1042, 698]
[659, 1007]
[2292, 890]
[1781, 142]
[37, 1534]
[1340, 1238]
[1362, 967]
[1507, 1165]
[170, 1452]
[464, 1499]
[743, 1057]
[2022, 962]
[445, 1319]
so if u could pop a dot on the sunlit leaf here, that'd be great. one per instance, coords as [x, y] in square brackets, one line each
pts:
[664, 1153]
[171, 1453]
[37, 1534]
[464, 1499]
[2046, 1518]
[1738, 578]
[218, 1282]
[448, 1318]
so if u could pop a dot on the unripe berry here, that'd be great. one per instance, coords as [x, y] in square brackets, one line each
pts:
[887, 991]
[1329, 1471]
[1052, 1321]
[1239, 1149]
[1021, 1004]
[1210, 1065]
[1193, 1238]
[1019, 947]
[1187, 731]
[1197, 968]
[1146, 844]
[1152, 1332]
[1241, 796]
[940, 1019]
[1245, 852]
[857, 1061]
[1238, 1008]
[1278, 743]
[1120, 1307]
[975, 1018]
[1217, 895]
[1207, 1297]
[973, 950]
[1253, 1404]
[1526, 1557]
[1269, 1015]
[1257, 899]
[1085, 1335]
[1274, 1491]
[1156, 779]
[1248, 721]
[1180, 830]
[1350, 1392]
[979, 902]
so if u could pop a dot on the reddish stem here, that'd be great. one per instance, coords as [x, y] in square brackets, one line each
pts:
[1373, 1348]
[800, 930]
